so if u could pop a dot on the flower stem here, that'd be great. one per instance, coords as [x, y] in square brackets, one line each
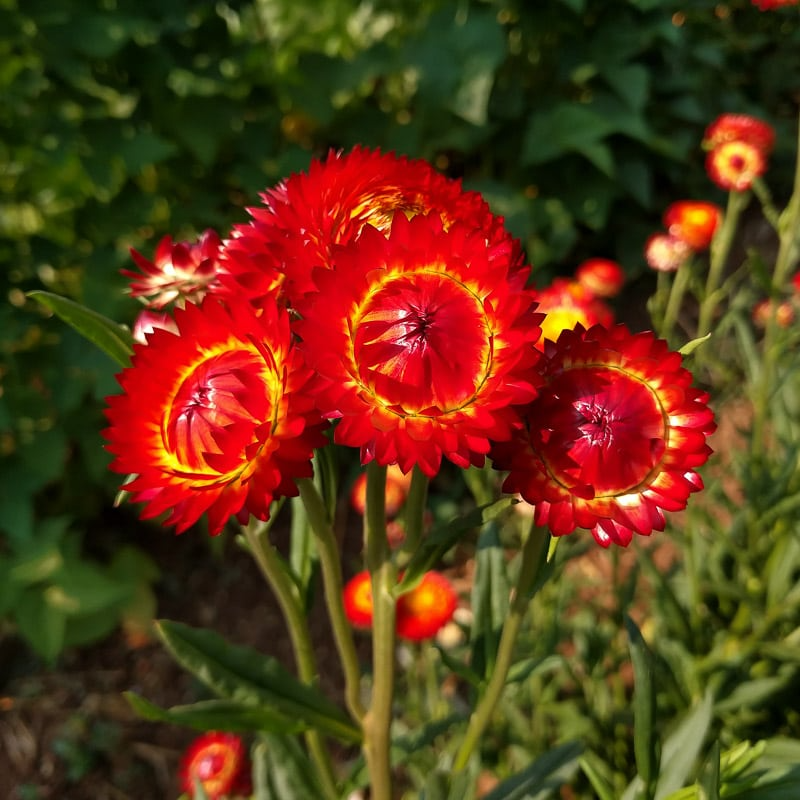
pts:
[533, 551]
[269, 562]
[414, 513]
[333, 584]
[675, 299]
[720, 249]
[378, 718]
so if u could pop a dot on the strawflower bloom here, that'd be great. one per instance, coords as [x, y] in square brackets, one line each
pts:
[740, 128]
[734, 166]
[567, 303]
[601, 276]
[666, 253]
[421, 344]
[303, 219]
[147, 321]
[693, 221]
[179, 272]
[215, 419]
[357, 597]
[427, 608]
[613, 439]
[397, 486]
[219, 761]
[765, 309]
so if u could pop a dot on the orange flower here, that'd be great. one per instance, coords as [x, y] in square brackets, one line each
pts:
[421, 343]
[613, 439]
[601, 276]
[693, 222]
[397, 485]
[303, 219]
[427, 608]
[740, 128]
[180, 272]
[215, 419]
[783, 311]
[358, 600]
[219, 761]
[567, 303]
[665, 252]
[735, 165]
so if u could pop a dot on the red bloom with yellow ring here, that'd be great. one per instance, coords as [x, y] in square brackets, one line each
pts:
[613, 439]
[220, 763]
[426, 609]
[422, 345]
[734, 166]
[214, 420]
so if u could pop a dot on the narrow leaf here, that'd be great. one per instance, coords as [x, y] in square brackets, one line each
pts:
[112, 338]
[709, 775]
[282, 771]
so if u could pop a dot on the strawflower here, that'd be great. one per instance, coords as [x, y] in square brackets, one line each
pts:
[601, 276]
[357, 595]
[179, 272]
[421, 343]
[666, 253]
[567, 303]
[693, 221]
[740, 128]
[613, 439]
[219, 761]
[770, 5]
[783, 312]
[147, 321]
[303, 219]
[426, 609]
[214, 420]
[734, 166]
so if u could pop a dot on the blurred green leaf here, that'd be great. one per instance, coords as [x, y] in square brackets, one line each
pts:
[281, 769]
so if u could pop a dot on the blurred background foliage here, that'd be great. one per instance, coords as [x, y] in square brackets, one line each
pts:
[123, 120]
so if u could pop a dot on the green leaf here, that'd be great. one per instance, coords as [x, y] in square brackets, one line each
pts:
[251, 678]
[113, 339]
[538, 780]
[631, 82]
[42, 625]
[220, 715]
[692, 345]
[595, 770]
[282, 771]
[708, 783]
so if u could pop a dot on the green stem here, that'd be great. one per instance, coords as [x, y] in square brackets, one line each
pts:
[285, 590]
[333, 583]
[378, 718]
[414, 513]
[720, 249]
[675, 299]
[533, 552]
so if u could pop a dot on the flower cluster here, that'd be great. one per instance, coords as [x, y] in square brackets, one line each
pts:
[375, 296]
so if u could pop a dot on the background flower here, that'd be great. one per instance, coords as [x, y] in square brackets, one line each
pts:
[220, 762]
[665, 252]
[693, 221]
[567, 303]
[612, 440]
[427, 608]
[735, 165]
[601, 276]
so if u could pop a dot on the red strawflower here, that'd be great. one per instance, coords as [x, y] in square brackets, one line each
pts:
[219, 761]
[601, 276]
[421, 343]
[567, 303]
[147, 321]
[693, 221]
[304, 218]
[180, 271]
[665, 252]
[613, 439]
[397, 485]
[357, 598]
[770, 5]
[215, 419]
[735, 165]
[426, 609]
[740, 128]
[796, 282]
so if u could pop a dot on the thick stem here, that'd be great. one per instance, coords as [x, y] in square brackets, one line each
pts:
[329, 557]
[378, 719]
[533, 552]
[675, 299]
[414, 513]
[285, 592]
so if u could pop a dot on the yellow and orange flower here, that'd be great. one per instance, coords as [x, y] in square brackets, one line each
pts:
[740, 128]
[180, 271]
[306, 217]
[734, 165]
[219, 761]
[601, 276]
[693, 221]
[357, 598]
[613, 439]
[422, 345]
[666, 253]
[568, 303]
[214, 420]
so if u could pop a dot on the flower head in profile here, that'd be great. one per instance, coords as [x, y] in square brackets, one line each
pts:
[567, 303]
[666, 253]
[740, 128]
[613, 439]
[179, 272]
[421, 343]
[427, 608]
[214, 420]
[220, 763]
[734, 165]
[306, 217]
[693, 221]
[600, 276]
